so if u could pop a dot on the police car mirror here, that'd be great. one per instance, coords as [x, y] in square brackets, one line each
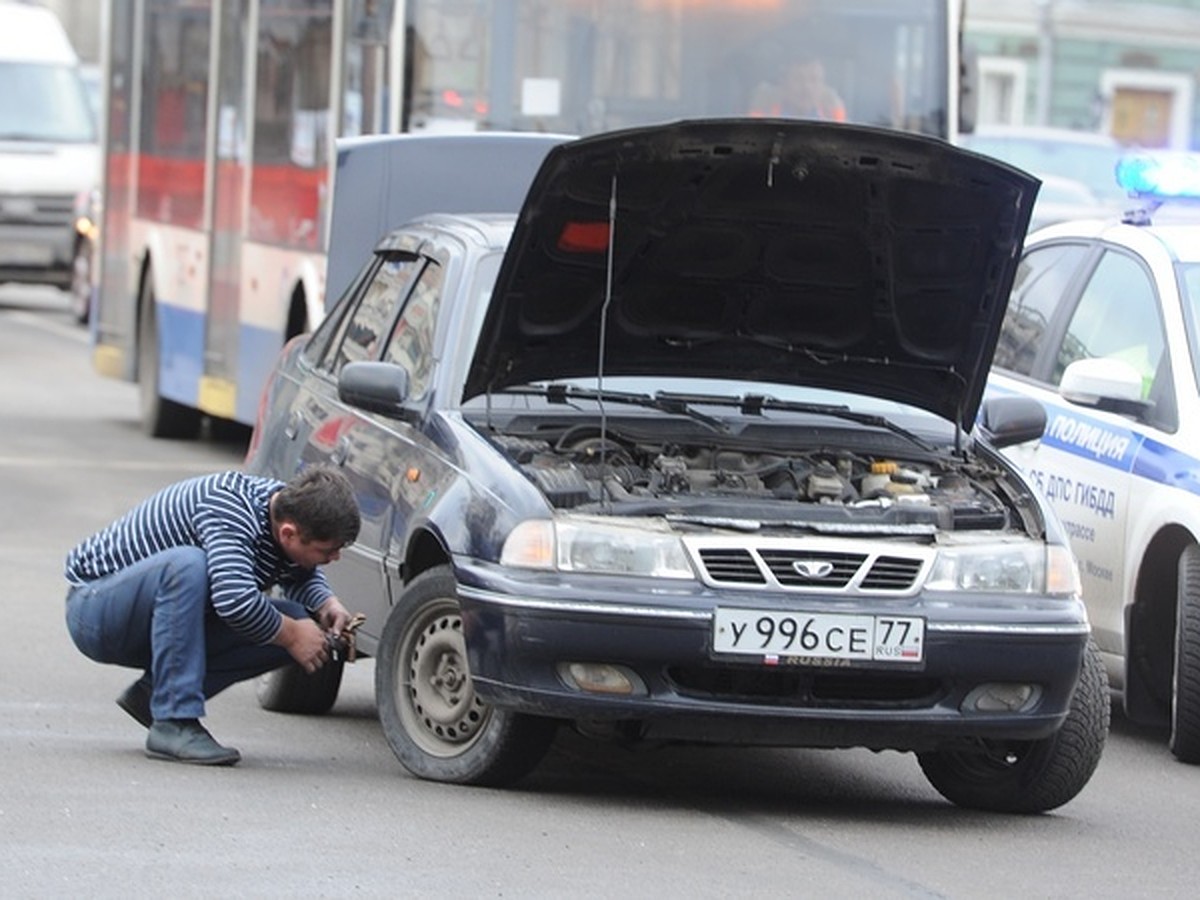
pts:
[1104, 383]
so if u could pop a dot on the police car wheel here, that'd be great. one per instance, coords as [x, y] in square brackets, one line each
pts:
[1031, 776]
[1185, 705]
[435, 723]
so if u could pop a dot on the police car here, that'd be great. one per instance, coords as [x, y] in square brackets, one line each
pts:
[1103, 327]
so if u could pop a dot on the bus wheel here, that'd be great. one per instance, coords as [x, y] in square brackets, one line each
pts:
[161, 418]
[1185, 704]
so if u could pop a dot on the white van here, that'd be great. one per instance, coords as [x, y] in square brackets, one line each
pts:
[49, 151]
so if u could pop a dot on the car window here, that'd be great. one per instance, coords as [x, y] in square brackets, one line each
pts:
[332, 326]
[1038, 289]
[365, 327]
[411, 343]
[1117, 317]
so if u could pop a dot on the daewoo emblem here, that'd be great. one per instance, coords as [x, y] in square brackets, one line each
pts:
[812, 568]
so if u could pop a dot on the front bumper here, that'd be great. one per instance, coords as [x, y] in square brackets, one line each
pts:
[32, 253]
[521, 628]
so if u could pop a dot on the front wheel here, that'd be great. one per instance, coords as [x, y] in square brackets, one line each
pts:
[80, 289]
[435, 723]
[1031, 776]
[1185, 701]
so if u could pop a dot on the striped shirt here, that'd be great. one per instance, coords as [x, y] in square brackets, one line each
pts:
[228, 516]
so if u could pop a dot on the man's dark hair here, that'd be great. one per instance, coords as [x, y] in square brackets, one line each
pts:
[320, 502]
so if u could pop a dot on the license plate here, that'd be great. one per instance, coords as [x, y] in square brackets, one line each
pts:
[819, 636]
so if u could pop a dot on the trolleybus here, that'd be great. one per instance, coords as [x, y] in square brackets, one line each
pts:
[223, 117]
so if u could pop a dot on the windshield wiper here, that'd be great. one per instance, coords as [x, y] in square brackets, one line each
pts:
[750, 405]
[754, 405]
[672, 404]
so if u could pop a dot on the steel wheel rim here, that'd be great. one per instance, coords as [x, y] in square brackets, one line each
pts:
[437, 703]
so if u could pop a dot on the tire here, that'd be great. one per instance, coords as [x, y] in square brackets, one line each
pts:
[432, 718]
[292, 690]
[1031, 776]
[161, 418]
[1185, 700]
[80, 290]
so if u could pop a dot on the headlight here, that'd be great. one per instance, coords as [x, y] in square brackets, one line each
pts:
[587, 545]
[1006, 569]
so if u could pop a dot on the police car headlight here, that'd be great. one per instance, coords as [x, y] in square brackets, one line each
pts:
[580, 544]
[1031, 568]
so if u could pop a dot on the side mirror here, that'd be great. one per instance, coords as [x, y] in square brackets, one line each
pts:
[1104, 383]
[376, 387]
[1005, 421]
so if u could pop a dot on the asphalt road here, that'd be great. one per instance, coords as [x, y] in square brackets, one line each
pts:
[320, 808]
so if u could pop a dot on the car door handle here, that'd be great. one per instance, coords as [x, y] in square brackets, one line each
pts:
[340, 452]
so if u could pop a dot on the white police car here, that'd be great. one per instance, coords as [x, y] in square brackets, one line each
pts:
[1103, 327]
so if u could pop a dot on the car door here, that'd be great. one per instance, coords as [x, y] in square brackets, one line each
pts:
[1084, 463]
[400, 466]
[326, 430]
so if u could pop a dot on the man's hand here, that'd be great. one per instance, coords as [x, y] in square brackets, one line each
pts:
[305, 641]
[333, 617]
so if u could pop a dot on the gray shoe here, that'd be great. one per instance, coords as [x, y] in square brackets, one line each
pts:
[135, 700]
[187, 741]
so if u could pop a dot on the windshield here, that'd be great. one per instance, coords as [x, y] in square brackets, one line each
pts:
[584, 68]
[40, 102]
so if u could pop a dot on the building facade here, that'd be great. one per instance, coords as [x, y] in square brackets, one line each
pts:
[1128, 69]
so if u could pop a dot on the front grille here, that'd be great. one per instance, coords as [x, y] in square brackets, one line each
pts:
[823, 570]
[732, 565]
[817, 689]
[892, 573]
[36, 209]
[820, 566]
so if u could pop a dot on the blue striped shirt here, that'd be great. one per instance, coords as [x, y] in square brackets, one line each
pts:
[228, 516]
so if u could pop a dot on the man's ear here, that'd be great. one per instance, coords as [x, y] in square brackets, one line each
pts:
[288, 531]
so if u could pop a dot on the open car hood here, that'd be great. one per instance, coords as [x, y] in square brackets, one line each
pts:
[805, 253]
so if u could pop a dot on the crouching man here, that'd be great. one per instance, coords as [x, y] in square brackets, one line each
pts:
[175, 588]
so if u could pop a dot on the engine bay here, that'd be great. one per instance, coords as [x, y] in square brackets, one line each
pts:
[578, 468]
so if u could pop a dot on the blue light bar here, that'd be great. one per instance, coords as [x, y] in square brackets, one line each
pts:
[1166, 175]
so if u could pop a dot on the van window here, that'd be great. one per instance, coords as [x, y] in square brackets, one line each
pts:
[44, 102]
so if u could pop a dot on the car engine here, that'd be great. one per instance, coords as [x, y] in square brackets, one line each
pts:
[822, 488]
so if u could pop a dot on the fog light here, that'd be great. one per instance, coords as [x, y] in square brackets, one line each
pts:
[1001, 697]
[600, 678]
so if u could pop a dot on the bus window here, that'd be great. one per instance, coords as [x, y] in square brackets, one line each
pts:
[174, 114]
[291, 125]
[582, 68]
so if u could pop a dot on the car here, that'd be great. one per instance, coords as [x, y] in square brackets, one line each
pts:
[687, 451]
[49, 151]
[1087, 160]
[1102, 330]
[1065, 200]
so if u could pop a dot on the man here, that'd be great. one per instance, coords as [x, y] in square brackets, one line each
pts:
[802, 93]
[175, 587]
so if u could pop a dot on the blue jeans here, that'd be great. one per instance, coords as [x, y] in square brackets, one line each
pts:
[156, 616]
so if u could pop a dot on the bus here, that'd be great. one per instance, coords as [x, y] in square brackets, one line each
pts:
[223, 119]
